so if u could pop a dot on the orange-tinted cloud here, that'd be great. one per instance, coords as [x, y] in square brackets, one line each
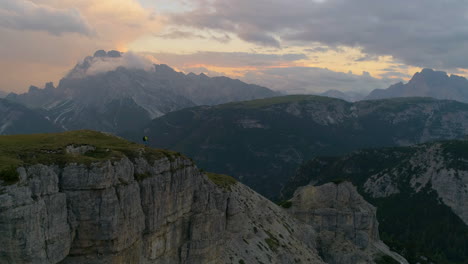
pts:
[39, 55]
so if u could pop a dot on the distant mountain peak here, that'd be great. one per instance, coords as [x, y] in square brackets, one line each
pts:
[163, 68]
[427, 83]
[349, 96]
[49, 85]
[427, 70]
[33, 88]
[430, 75]
[112, 91]
[110, 54]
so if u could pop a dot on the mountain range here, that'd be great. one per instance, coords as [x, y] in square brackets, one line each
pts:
[18, 119]
[349, 96]
[421, 193]
[262, 142]
[427, 83]
[120, 99]
[109, 200]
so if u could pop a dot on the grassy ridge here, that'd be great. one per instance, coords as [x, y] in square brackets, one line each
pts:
[262, 142]
[21, 150]
[259, 103]
[223, 181]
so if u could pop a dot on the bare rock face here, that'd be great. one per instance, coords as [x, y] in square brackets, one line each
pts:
[167, 212]
[137, 212]
[430, 167]
[346, 224]
[79, 150]
[34, 223]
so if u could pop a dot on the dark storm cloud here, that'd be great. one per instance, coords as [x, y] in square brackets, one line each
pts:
[368, 57]
[426, 33]
[256, 36]
[26, 15]
[227, 59]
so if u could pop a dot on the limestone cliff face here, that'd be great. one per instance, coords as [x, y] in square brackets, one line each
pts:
[431, 167]
[131, 211]
[136, 212]
[346, 224]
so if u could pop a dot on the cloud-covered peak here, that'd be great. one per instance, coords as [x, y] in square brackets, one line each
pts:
[109, 54]
[103, 61]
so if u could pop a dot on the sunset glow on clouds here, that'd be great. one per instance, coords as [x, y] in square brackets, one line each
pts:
[300, 46]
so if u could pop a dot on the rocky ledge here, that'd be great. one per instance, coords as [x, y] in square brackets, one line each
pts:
[166, 210]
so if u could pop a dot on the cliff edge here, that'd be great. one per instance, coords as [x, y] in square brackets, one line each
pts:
[89, 197]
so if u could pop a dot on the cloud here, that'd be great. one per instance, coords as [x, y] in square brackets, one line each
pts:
[425, 33]
[258, 37]
[275, 71]
[181, 34]
[299, 80]
[45, 56]
[26, 15]
[395, 74]
[178, 34]
[128, 60]
[368, 57]
[228, 59]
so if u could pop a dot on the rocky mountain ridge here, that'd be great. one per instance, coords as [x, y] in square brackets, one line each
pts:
[108, 92]
[416, 188]
[86, 203]
[349, 96]
[344, 221]
[427, 83]
[17, 119]
[262, 142]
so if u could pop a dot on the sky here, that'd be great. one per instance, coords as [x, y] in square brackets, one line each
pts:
[300, 46]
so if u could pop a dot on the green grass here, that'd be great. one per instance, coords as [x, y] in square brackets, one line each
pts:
[337, 181]
[23, 150]
[285, 204]
[223, 181]
[258, 103]
[272, 242]
[9, 175]
[385, 260]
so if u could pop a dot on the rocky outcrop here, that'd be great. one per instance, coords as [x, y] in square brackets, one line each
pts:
[418, 190]
[427, 83]
[430, 167]
[134, 212]
[346, 224]
[17, 119]
[167, 211]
